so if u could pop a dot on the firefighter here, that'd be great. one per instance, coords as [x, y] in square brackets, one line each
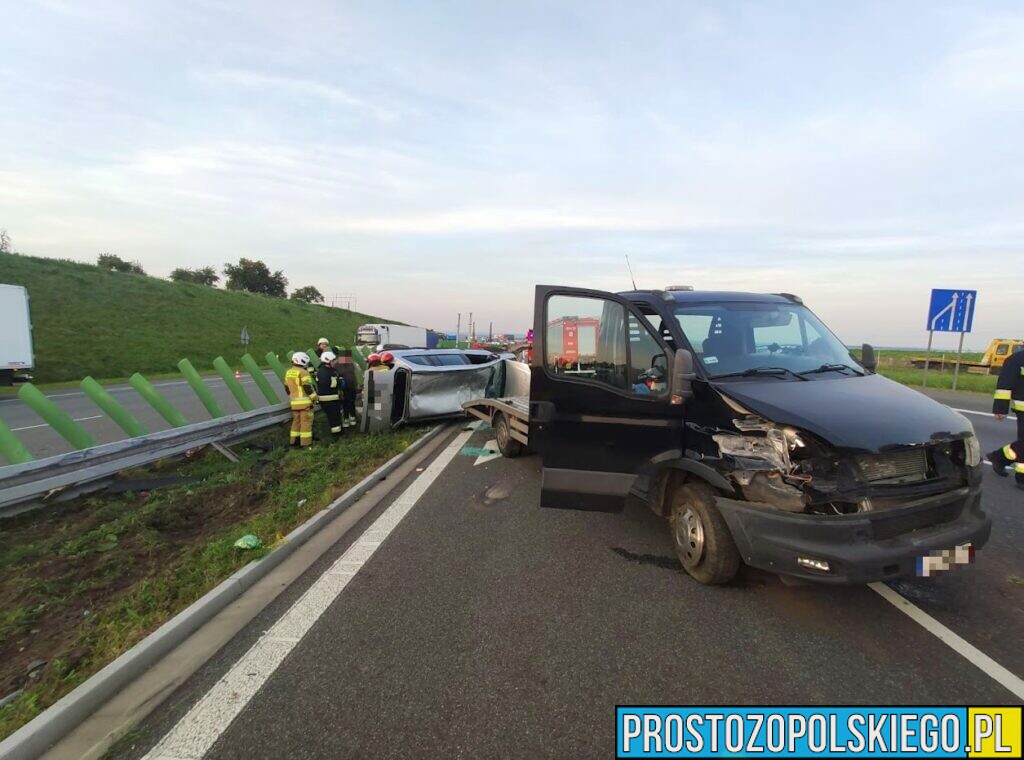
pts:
[302, 396]
[388, 360]
[329, 387]
[373, 364]
[325, 345]
[347, 370]
[1010, 396]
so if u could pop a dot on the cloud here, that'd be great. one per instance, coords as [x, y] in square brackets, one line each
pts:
[307, 89]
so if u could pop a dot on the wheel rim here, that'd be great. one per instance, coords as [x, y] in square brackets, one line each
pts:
[502, 433]
[689, 535]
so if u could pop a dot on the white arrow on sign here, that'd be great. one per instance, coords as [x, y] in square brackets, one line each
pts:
[950, 307]
[967, 311]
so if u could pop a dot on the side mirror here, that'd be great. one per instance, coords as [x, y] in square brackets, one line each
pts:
[867, 357]
[682, 376]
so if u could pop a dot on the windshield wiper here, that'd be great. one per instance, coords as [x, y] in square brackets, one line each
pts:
[830, 368]
[766, 371]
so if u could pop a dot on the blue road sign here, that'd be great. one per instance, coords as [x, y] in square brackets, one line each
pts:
[951, 310]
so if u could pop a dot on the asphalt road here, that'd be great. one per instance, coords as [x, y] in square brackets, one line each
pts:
[484, 626]
[43, 441]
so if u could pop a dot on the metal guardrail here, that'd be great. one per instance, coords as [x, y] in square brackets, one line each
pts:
[22, 483]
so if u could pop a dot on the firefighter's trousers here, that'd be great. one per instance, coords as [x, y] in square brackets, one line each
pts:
[333, 411]
[302, 426]
[1011, 456]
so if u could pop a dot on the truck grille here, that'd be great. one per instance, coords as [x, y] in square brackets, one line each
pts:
[894, 467]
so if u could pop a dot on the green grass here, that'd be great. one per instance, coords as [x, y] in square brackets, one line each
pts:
[81, 583]
[896, 366]
[87, 321]
[942, 380]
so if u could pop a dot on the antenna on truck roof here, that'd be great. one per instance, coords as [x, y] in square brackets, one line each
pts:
[631, 277]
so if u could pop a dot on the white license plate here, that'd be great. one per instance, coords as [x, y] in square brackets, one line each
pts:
[940, 560]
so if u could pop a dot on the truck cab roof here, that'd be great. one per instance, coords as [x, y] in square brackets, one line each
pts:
[708, 296]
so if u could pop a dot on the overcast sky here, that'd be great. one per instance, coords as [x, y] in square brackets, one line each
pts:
[435, 157]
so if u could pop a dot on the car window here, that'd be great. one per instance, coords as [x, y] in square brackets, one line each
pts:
[450, 360]
[648, 363]
[586, 337]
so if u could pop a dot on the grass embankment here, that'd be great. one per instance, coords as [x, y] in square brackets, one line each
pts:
[896, 365]
[87, 321]
[80, 583]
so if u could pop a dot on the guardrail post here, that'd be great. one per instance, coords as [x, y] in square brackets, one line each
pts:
[275, 364]
[260, 379]
[204, 394]
[233, 385]
[152, 396]
[11, 448]
[70, 430]
[114, 410]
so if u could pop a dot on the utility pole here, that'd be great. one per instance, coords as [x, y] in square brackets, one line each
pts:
[458, 328]
[472, 329]
[490, 332]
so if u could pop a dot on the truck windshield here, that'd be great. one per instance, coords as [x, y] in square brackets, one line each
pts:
[740, 339]
[367, 338]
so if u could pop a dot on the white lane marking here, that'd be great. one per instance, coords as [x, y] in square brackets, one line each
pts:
[974, 411]
[194, 735]
[46, 424]
[492, 453]
[1009, 681]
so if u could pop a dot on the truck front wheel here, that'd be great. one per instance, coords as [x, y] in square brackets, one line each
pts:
[701, 538]
[507, 445]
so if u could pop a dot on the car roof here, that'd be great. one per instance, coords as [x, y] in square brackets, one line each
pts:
[708, 296]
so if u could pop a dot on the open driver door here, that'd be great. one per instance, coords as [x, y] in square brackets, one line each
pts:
[602, 412]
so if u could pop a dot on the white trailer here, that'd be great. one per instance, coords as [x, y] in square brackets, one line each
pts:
[16, 358]
[382, 336]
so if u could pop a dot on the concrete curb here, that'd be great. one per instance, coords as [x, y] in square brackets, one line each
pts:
[54, 723]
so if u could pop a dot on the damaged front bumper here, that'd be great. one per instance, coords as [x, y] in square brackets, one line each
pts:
[860, 547]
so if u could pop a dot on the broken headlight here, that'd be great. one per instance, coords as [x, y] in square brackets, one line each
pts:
[972, 450]
[762, 442]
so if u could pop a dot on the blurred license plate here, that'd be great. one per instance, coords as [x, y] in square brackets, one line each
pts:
[940, 560]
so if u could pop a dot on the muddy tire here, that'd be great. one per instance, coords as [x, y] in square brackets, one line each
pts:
[507, 445]
[700, 536]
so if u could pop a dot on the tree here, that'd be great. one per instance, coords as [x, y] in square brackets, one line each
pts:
[117, 264]
[309, 294]
[255, 277]
[5, 242]
[206, 276]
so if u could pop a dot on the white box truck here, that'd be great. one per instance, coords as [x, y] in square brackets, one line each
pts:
[15, 335]
[383, 336]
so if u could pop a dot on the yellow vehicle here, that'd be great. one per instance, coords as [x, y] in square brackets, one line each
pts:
[996, 353]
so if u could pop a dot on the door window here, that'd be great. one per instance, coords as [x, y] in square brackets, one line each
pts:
[647, 360]
[586, 337]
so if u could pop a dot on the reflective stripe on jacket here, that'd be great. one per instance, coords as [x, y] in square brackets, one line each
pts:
[300, 389]
[1010, 386]
[328, 387]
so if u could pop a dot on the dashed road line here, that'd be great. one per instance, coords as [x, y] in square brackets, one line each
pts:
[194, 735]
[1009, 681]
[45, 424]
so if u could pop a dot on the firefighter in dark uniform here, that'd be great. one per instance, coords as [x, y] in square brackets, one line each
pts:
[329, 386]
[1010, 397]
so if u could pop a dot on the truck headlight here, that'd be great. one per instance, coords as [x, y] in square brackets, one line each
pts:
[972, 450]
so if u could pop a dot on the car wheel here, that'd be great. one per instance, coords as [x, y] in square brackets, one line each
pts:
[701, 538]
[507, 445]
